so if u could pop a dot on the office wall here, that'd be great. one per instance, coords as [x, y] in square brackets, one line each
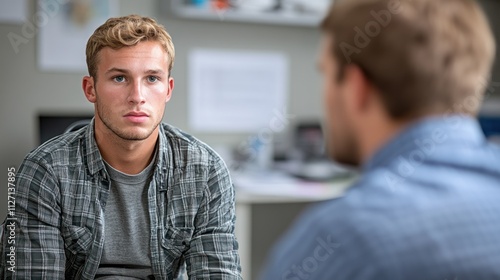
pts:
[26, 91]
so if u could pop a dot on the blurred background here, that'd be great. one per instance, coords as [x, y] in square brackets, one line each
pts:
[245, 83]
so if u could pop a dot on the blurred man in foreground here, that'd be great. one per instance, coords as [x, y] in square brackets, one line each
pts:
[403, 81]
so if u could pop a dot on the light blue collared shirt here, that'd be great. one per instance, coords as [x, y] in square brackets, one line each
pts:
[427, 206]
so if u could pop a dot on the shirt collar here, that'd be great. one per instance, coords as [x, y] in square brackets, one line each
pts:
[436, 130]
[95, 161]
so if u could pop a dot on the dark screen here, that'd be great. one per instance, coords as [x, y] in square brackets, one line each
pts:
[50, 125]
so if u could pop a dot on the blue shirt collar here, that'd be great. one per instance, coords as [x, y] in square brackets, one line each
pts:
[430, 130]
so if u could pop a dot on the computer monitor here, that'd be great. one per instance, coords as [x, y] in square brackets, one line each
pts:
[53, 125]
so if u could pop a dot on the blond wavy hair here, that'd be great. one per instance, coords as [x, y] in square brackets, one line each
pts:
[127, 31]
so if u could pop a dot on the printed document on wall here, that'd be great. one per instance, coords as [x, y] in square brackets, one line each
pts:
[237, 91]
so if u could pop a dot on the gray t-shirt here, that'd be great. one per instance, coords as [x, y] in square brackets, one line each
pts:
[127, 253]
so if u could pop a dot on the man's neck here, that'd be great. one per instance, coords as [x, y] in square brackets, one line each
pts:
[376, 136]
[130, 157]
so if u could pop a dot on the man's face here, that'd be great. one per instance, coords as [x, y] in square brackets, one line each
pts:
[131, 90]
[340, 139]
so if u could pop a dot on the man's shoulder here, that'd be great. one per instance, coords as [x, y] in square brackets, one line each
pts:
[62, 146]
[175, 133]
[375, 211]
[187, 145]
[339, 215]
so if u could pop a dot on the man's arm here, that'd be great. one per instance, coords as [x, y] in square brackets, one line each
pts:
[39, 247]
[213, 252]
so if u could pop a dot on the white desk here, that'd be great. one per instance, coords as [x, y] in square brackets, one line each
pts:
[255, 189]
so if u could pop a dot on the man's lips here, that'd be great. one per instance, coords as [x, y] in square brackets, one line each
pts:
[136, 117]
[136, 114]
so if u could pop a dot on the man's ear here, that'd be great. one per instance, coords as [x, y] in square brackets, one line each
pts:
[359, 88]
[170, 89]
[88, 86]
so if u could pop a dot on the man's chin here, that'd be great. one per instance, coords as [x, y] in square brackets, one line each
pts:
[135, 134]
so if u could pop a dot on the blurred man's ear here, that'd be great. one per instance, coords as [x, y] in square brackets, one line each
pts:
[359, 89]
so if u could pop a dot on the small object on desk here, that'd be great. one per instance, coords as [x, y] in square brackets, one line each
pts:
[275, 183]
[321, 170]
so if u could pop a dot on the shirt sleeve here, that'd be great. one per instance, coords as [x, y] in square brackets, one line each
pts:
[213, 252]
[39, 247]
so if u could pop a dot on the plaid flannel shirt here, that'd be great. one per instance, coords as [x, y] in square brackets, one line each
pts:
[62, 188]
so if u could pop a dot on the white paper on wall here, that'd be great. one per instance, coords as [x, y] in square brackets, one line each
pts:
[236, 91]
[13, 11]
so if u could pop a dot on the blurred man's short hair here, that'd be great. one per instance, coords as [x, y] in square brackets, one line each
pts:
[422, 57]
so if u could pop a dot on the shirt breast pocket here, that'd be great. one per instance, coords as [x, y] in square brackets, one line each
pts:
[77, 241]
[175, 242]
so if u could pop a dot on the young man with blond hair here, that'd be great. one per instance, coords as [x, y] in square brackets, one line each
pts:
[403, 81]
[126, 197]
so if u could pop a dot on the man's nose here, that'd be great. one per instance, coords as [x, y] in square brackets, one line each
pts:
[136, 94]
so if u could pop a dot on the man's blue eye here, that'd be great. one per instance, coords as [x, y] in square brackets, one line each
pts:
[152, 79]
[119, 79]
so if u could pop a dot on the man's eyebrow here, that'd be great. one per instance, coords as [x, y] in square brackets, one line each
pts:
[125, 71]
[155, 71]
[114, 69]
